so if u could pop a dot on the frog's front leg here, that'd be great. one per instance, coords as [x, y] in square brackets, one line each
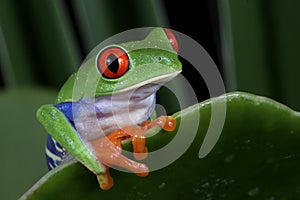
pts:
[109, 149]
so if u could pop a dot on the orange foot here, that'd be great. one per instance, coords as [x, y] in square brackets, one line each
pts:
[109, 149]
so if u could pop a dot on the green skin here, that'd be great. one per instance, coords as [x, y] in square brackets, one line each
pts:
[146, 58]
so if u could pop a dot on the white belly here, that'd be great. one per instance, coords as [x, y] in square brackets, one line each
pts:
[103, 115]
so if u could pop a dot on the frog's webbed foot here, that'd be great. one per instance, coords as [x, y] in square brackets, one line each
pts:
[109, 149]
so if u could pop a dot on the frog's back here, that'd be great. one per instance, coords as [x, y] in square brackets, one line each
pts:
[66, 91]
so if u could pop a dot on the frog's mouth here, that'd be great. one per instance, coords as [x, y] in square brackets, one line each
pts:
[159, 80]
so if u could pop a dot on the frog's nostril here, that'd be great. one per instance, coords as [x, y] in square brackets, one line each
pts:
[159, 58]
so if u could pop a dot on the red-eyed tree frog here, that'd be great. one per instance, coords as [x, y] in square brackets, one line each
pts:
[109, 100]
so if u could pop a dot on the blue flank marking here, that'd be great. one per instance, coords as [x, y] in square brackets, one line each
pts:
[67, 109]
[54, 153]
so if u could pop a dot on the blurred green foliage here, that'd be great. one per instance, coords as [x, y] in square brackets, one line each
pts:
[260, 47]
[37, 42]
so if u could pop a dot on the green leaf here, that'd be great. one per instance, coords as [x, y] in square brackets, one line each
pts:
[256, 157]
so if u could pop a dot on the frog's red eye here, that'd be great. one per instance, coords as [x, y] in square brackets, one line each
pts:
[113, 62]
[172, 39]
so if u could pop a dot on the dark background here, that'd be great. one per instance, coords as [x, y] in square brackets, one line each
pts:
[199, 20]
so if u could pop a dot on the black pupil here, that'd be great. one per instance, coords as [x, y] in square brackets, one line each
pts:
[112, 63]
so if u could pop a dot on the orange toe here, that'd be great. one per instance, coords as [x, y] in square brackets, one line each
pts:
[169, 124]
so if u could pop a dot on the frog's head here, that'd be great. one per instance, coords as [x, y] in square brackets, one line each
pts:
[121, 67]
